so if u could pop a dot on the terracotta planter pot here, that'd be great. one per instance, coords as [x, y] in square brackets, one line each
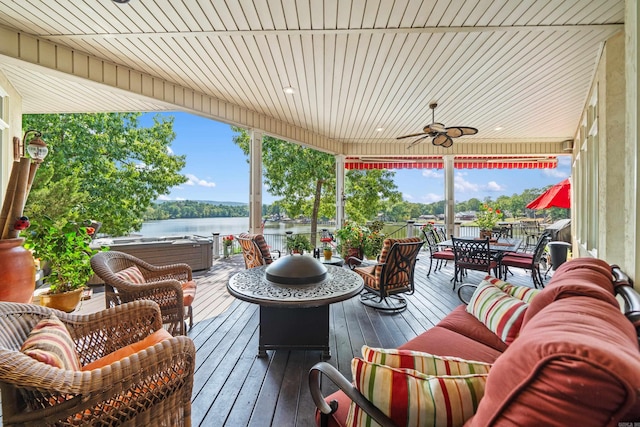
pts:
[66, 301]
[485, 233]
[17, 271]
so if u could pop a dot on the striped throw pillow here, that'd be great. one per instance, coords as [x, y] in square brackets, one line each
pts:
[424, 363]
[410, 398]
[131, 274]
[49, 342]
[499, 312]
[523, 293]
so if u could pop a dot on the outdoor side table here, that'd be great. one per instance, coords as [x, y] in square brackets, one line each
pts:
[294, 316]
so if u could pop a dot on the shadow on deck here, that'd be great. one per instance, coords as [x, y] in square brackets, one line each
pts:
[235, 388]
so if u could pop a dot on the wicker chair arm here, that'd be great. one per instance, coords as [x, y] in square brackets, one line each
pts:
[179, 271]
[343, 384]
[148, 373]
[100, 333]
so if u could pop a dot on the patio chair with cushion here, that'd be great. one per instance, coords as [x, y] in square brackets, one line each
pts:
[127, 278]
[114, 367]
[473, 254]
[391, 275]
[255, 250]
[528, 261]
[439, 254]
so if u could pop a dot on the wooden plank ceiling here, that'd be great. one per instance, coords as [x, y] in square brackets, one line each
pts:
[363, 72]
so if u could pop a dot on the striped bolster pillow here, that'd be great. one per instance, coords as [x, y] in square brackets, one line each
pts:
[498, 311]
[131, 274]
[410, 398]
[49, 342]
[523, 293]
[424, 363]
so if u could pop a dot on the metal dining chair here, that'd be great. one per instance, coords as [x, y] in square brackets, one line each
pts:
[473, 254]
[437, 253]
[527, 261]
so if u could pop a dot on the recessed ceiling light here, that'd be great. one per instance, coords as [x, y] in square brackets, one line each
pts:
[289, 90]
[379, 129]
[499, 128]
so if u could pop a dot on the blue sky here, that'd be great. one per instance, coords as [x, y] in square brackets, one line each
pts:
[217, 170]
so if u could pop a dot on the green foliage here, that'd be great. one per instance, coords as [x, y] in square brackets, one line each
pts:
[304, 178]
[368, 239]
[368, 192]
[298, 243]
[103, 166]
[64, 246]
[193, 209]
[488, 217]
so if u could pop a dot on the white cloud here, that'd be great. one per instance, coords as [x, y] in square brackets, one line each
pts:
[407, 196]
[432, 173]
[169, 150]
[461, 185]
[194, 180]
[555, 173]
[180, 198]
[494, 186]
[163, 197]
[432, 198]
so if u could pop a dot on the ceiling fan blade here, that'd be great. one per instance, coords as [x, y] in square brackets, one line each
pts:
[416, 141]
[440, 139]
[436, 127]
[409, 136]
[456, 131]
[447, 143]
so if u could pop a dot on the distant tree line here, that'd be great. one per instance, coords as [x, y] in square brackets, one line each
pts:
[193, 209]
[391, 211]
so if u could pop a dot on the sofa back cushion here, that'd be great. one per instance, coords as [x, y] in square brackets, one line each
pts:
[589, 277]
[576, 363]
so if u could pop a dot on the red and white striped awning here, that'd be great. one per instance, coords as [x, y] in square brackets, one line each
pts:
[466, 162]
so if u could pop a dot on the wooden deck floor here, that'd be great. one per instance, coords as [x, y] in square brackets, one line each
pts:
[235, 388]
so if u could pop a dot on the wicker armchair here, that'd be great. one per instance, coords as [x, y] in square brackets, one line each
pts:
[167, 285]
[152, 387]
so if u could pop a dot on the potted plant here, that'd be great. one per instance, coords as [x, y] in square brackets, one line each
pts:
[227, 243]
[298, 243]
[374, 240]
[65, 250]
[487, 220]
[351, 241]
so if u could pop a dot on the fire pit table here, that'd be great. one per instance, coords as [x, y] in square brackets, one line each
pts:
[294, 294]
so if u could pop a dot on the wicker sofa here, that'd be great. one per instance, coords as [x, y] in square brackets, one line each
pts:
[576, 360]
[149, 387]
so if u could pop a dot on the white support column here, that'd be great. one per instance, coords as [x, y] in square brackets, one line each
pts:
[255, 182]
[339, 190]
[449, 196]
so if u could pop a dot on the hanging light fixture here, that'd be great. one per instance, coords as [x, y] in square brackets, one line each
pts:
[36, 148]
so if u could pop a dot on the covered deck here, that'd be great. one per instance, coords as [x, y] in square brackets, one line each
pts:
[235, 388]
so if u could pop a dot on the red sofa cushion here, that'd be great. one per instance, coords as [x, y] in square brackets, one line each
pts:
[579, 277]
[464, 323]
[577, 360]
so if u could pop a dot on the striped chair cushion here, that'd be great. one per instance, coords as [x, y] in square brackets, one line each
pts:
[131, 274]
[523, 293]
[188, 292]
[49, 342]
[424, 363]
[498, 311]
[371, 276]
[410, 398]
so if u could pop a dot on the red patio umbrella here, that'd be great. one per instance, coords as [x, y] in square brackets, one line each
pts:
[557, 196]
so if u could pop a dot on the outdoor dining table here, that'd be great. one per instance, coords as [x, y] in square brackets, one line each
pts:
[498, 247]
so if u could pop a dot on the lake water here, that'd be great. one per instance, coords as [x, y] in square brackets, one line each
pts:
[206, 226]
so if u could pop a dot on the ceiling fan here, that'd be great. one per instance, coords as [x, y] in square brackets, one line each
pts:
[442, 136]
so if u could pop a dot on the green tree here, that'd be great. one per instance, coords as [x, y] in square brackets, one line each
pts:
[367, 193]
[302, 177]
[105, 165]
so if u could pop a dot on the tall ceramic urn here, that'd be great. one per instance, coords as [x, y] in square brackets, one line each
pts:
[17, 271]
